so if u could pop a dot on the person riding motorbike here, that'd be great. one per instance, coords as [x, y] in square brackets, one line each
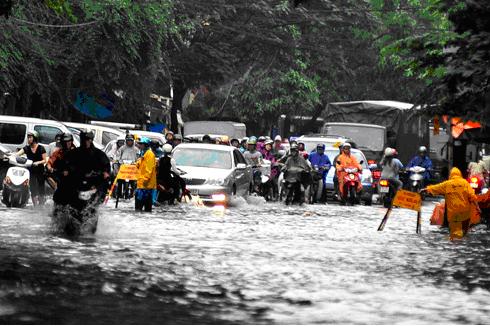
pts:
[56, 162]
[391, 167]
[147, 177]
[127, 152]
[278, 146]
[243, 145]
[459, 199]
[169, 137]
[346, 160]
[77, 164]
[302, 150]
[155, 147]
[320, 160]
[52, 147]
[235, 143]
[37, 154]
[296, 162]
[112, 154]
[422, 160]
[252, 155]
[169, 183]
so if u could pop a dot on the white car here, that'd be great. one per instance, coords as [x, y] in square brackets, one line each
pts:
[214, 172]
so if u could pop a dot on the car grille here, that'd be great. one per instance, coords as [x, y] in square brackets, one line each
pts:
[194, 182]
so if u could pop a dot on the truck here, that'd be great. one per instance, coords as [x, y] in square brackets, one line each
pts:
[406, 128]
[230, 129]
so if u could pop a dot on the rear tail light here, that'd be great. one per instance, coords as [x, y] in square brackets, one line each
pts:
[26, 183]
[383, 183]
[377, 174]
[371, 162]
[7, 180]
[474, 180]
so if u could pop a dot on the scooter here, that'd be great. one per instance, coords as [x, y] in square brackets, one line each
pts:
[351, 182]
[293, 186]
[16, 183]
[316, 185]
[387, 192]
[416, 178]
[80, 216]
[263, 180]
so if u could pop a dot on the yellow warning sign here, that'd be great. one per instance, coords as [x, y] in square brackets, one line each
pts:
[408, 200]
[127, 172]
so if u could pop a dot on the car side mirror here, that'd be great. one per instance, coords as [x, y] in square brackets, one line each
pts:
[362, 162]
[241, 166]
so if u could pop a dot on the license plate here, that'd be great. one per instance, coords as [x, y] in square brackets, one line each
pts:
[384, 190]
[194, 192]
[474, 185]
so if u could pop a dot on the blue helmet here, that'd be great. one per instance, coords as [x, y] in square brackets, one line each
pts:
[145, 140]
[322, 146]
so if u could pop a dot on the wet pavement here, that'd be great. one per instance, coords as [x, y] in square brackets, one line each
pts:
[254, 263]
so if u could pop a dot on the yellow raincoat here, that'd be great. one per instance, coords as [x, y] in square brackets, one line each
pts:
[147, 171]
[460, 199]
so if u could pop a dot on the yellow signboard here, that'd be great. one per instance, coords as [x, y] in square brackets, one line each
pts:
[127, 172]
[408, 200]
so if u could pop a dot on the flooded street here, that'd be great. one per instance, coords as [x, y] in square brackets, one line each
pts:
[256, 263]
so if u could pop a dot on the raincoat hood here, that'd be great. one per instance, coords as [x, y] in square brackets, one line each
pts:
[455, 173]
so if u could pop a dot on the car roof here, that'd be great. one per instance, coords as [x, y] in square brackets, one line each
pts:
[353, 124]
[207, 146]
[93, 127]
[12, 118]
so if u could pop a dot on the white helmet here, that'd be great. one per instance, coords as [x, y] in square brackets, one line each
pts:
[167, 148]
[390, 151]
[346, 145]
[422, 149]
[278, 137]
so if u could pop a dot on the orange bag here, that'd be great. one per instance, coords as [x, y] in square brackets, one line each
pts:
[437, 217]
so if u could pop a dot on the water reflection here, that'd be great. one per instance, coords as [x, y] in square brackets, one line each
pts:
[250, 263]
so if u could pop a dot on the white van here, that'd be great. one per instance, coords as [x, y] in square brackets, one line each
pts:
[103, 135]
[13, 131]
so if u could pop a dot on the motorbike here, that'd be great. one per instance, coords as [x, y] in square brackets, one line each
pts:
[79, 214]
[15, 191]
[293, 185]
[263, 180]
[387, 191]
[477, 183]
[416, 179]
[351, 182]
[316, 185]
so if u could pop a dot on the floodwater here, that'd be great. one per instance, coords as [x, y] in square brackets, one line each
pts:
[253, 263]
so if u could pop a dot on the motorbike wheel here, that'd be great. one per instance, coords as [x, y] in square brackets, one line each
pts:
[387, 201]
[352, 196]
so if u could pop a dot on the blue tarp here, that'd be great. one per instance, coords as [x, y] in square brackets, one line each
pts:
[99, 108]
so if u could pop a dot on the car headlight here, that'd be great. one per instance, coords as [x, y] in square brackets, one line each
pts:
[215, 181]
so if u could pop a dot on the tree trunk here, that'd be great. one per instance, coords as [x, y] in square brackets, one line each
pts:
[179, 92]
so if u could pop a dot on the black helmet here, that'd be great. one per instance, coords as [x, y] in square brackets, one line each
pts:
[294, 147]
[67, 137]
[59, 136]
[86, 134]
[178, 137]
[206, 138]
[129, 137]
[155, 143]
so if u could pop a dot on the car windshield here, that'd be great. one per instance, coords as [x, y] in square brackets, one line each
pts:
[310, 145]
[358, 155]
[202, 157]
[371, 138]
